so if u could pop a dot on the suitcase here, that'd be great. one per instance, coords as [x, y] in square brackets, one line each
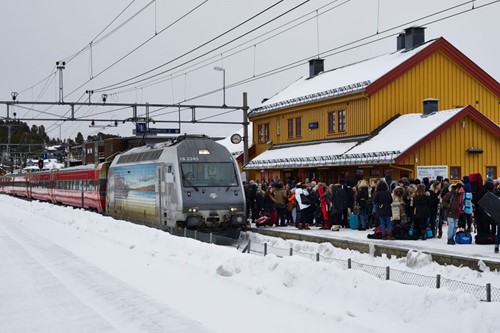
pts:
[490, 204]
[353, 221]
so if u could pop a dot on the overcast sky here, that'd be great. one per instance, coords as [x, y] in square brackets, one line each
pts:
[36, 34]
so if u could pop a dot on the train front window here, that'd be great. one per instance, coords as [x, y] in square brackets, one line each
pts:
[208, 174]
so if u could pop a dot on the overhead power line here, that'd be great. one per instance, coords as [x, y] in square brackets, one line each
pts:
[340, 49]
[122, 84]
[137, 47]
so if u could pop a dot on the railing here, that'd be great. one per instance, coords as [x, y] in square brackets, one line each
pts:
[485, 293]
[204, 236]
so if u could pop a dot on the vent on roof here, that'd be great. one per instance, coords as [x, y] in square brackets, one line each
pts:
[430, 105]
[414, 36]
[316, 66]
[400, 41]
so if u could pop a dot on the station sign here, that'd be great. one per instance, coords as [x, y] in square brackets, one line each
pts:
[142, 128]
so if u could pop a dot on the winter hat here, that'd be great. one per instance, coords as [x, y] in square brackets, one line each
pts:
[466, 183]
[489, 184]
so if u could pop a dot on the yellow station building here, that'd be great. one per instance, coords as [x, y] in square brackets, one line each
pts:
[423, 110]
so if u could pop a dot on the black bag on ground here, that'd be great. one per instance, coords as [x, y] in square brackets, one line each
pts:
[485, 239]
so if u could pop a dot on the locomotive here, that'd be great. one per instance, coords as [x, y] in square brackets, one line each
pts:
[188, 182]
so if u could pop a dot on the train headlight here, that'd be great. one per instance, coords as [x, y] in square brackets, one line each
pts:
[193, 210]
[233, 209]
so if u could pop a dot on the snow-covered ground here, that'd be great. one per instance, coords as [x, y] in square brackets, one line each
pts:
[65, 269]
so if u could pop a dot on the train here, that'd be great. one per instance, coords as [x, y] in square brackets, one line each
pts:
[187, 182]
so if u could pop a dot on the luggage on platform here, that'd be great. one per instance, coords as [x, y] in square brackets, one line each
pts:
[353, 221]
[463, 237]
[490, 204]
[263, 220]
[485, 239]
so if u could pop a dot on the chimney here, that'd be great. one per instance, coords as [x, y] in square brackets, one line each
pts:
[316, 66]
[400, 41]
[430, 105]
[414, 36]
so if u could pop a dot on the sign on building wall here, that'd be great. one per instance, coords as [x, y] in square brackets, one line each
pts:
[432, 171]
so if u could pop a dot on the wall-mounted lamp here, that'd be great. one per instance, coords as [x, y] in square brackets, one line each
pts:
[473, 150]
[104, 97]
[14, 95]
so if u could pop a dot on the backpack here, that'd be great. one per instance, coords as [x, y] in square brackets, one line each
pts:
[467, 203]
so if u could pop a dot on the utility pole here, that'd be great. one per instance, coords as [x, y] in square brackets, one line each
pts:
[60, 65]
[245, 131]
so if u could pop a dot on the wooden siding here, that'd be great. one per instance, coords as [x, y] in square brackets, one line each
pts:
[435, 77]
[450, 148]
[356, 107]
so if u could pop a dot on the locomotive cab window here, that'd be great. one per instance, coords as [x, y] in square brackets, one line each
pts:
[209, 174]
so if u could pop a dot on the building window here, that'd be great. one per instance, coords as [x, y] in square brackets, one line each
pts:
[331, 122]
[342, 121]
[294, 127]
[263, 133]
[491, 171]
[455, 173]
[298, 127]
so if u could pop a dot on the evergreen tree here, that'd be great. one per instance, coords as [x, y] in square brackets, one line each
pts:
[79, 139]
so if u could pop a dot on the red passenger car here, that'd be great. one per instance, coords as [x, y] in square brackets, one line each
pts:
[82, 186]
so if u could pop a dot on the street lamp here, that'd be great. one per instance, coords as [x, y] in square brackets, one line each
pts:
[221, 69]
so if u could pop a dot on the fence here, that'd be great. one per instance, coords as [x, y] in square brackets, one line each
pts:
[203, 236]
[485, 293]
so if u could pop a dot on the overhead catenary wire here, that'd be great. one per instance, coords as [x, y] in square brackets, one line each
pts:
[334, 51]
[136, 48]
[122, 83]
[207, 62]
[328, 53]
[71, 57]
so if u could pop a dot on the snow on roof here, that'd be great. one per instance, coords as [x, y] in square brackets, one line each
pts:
[401, 134]
[404, 132]
[340, 81]
[300, 156]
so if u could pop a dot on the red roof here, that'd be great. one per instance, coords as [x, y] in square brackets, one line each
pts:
[443, 45]
[470, 111]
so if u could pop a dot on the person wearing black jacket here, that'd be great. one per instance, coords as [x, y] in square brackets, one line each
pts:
[383, 200]
[434, 191]
[338, 206]
[422, 211]
[362, 201]
[485, 226]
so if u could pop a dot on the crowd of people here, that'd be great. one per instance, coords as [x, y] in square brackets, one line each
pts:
[403, 209]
